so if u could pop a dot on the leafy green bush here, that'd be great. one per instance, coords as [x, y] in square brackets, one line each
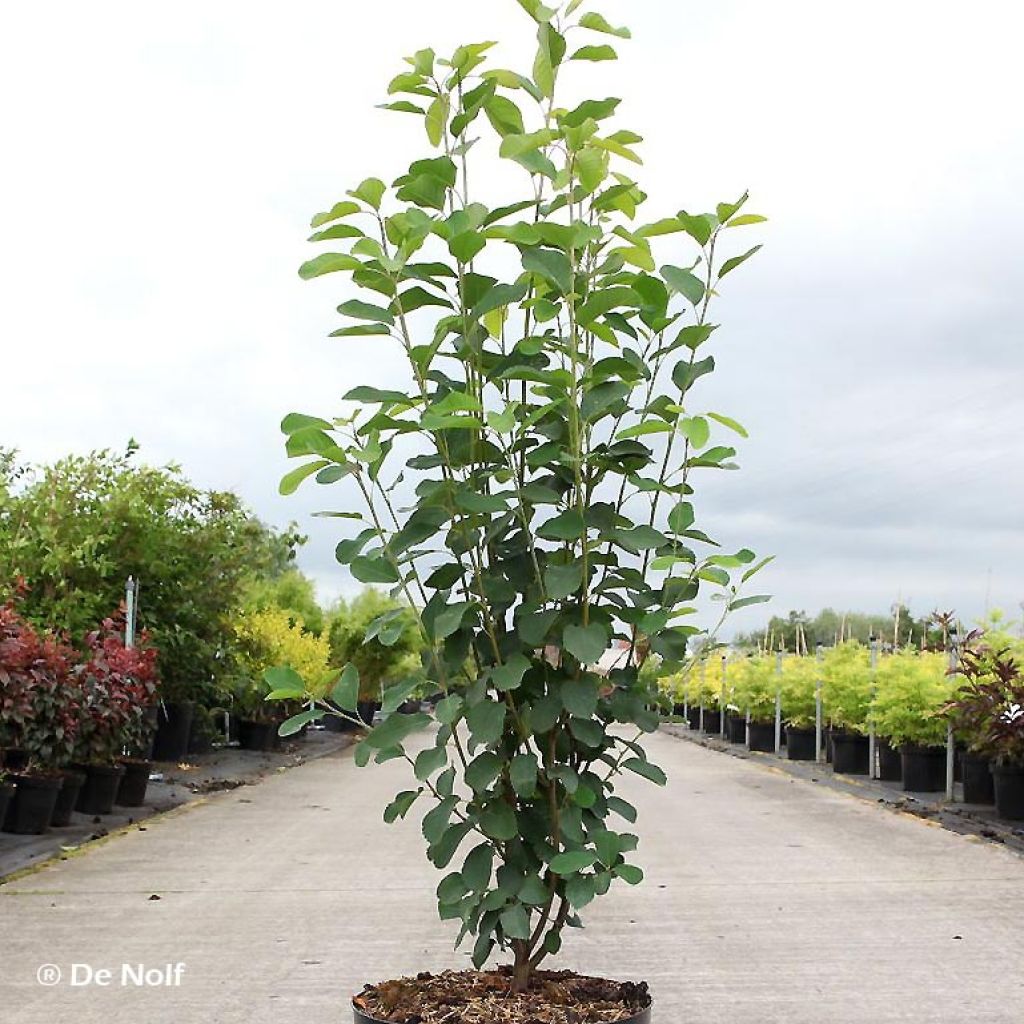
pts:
[912, 691]
[755, 683]
[846, 686]
[556, 437]
[799, 687]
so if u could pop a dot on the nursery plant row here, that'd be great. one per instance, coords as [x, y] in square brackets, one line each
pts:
[919, 717]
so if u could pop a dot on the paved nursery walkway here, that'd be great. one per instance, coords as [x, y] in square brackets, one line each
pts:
[767, 900]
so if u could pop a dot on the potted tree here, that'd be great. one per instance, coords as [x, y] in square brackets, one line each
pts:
[755, 693]
[846, 692]
[799, 707]
[40, 703]
[989, 706]
[912, 691]
[551, 438]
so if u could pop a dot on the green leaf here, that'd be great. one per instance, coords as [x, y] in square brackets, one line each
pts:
[597, 23]
[649, 771]
[568, 525]
[551, 265]
[373, 569]
[730, 265]
[522, 772]
[585, 643]
[629, 873]
[745, 602]
[435, 119]
[685, 373]
[572, 861]
[466, 245]
[284, 677]
[482, 771]
[560, 581]
[510, 675]
[498, 821]
[621, 808]
[366, 311]
[394, 729]
[449, 619]
[346, 690]
[429, 761]
[518, 145]
[579, 696]
[292, 725]
[328, 263]
[362, 331]
[746, 218]
[681, 517]
[371, 191]
[595, 53]
[399, 807]
[290, 481]
[515, 922]
[451, 889]
[336, 212]
[486, 721]
[684, 282]
[448, 709]
[696, 430]
[727, 421]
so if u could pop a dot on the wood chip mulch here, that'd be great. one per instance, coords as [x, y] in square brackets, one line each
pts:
[484, 997]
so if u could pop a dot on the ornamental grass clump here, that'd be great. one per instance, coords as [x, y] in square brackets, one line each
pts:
[528, 488]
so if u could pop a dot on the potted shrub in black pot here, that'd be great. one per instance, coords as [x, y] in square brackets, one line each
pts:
[989, 707]
[756, 684]
[552, 438]
[39, 702]
[912, 691]
[800, 675]
[257, 721]
[846, 692]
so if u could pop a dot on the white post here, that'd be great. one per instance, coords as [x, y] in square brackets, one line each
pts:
[721, 702]
[950, 740]
[819, 752]
[778, 705]
[129, 619]
[872, 743]
[703, 669]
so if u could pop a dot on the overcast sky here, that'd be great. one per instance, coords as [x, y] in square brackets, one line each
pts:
[162, 164]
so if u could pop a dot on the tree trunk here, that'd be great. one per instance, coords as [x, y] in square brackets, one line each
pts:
[521, 969]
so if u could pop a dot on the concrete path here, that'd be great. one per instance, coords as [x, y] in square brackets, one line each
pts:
[767, 899]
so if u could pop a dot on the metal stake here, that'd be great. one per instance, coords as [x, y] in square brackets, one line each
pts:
[778, 705]
[819, 753]
[950, 740]
[129, 619]
[872, 743]
[721, 701]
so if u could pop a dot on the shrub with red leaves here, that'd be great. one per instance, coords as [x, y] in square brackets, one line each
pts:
[119, 685]
[40, 698]
[989, 707]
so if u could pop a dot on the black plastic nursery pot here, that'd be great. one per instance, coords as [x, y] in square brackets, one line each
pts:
[693, 717]
[977, 778]
[736, 728]
[256, 735]
[762, 737]
[366, 709]
[849, 753]
[6, 795]
[100, 789]
[712, 722]
[924, 768]
[14, 759]
[1009, 790]
[67, 797]
[31, 808]
[173, 729]
[829, 752]
[132, 791]
[800, 744]
[890, 763]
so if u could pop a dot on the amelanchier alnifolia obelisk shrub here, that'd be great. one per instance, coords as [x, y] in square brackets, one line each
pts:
[528, 490]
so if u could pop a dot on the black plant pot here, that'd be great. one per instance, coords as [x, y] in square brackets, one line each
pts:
[924, 768]
[1009, 787]
[31, 808]
[6, 796]
[890, 763]
[358, 1017]
[736, 728]
[101, 783]
[366, 709]
[332, 723]
[849, 753]
[762, 737]
[800, 744]
[256, 735]
[67, 797]
[693, 717]
[829, 749]
[15, 759]
[977, 778]
[712, 722]
[174, 726]
[132, 791]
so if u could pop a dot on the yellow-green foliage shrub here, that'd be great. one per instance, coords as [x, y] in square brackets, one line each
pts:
[755, 683]
[273, 636]
[799, 679]
[846, 686]
[911, 692]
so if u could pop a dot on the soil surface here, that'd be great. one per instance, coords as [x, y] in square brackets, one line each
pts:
[484, 997]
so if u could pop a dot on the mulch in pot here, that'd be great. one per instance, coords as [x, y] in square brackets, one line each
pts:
[483, 997]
